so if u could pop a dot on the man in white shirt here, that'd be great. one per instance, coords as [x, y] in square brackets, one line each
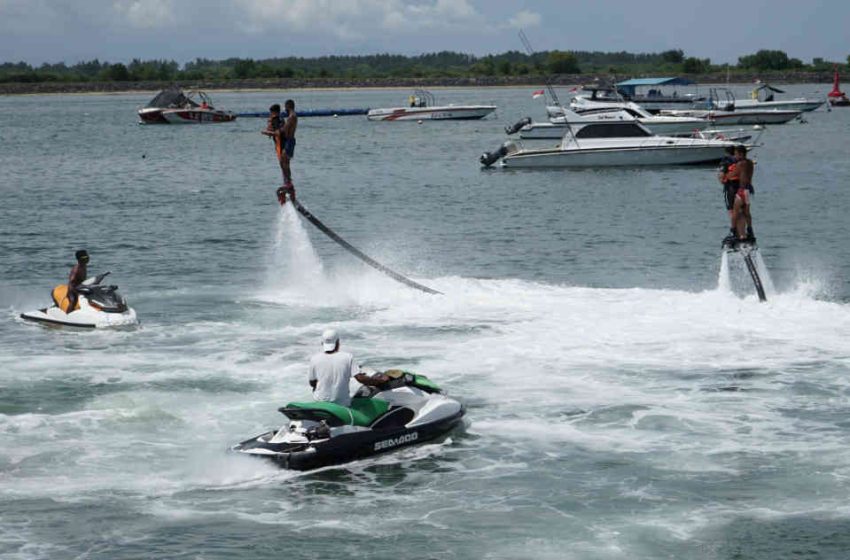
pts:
[332, 370]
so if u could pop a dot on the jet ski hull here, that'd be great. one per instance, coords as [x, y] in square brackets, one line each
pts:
[347, 447]
[82, 318]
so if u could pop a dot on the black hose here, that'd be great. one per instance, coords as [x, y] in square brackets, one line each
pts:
[358, 253]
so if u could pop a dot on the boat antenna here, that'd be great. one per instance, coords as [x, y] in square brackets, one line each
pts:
[527, 44]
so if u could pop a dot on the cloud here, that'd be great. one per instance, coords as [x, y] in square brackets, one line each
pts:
[354, 19]
[145, 14]
[525, 18]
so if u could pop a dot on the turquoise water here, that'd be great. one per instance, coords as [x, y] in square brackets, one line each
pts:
[627, 397]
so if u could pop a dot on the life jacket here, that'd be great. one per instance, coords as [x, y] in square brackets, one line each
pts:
[732, 173]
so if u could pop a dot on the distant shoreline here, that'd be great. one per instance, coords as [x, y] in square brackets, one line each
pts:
[39, 88]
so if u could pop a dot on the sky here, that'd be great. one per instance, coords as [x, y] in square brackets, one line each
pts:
[38, 31]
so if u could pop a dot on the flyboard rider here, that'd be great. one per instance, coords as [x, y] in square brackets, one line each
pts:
[737, 178]
[282, 131]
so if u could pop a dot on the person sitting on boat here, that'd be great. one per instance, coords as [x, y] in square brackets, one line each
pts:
[332, 369]
[78, 275]
[742, 174]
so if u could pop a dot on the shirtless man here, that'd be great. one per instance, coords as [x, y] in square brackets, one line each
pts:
[77, 277]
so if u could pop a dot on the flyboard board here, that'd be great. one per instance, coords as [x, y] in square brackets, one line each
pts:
[747, 248]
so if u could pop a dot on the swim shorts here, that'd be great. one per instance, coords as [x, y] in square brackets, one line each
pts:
[289, 147]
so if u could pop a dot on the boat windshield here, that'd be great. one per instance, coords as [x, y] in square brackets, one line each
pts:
[612, 130]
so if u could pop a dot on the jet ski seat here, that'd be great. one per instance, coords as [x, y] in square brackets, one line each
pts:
[362, 412]
[60, 298]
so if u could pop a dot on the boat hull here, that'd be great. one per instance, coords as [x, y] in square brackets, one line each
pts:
[730, 118]
[349, 447]
[804, 105]
[197, 116]
[449, 112]
[85, 318]
[617, 157]
[151, 115]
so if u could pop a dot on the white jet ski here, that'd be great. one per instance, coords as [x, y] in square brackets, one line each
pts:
[405, 410]
[98, 306]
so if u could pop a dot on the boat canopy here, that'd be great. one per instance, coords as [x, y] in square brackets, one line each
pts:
[171, 97]
[628, 87]
[637, 82]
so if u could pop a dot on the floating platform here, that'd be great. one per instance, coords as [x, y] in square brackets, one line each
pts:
[314, 113]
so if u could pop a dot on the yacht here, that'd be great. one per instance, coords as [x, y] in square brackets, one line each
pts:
[626, 110]
[593, 143]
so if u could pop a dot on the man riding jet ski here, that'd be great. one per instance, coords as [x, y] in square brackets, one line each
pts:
[84, 302]
[395, 409]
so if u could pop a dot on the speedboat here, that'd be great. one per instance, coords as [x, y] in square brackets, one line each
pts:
[729, 111]
[98, 306]
[660, 125]
[837, 98]
[172, 106]
[736, 116]
[610, 144]
[422, 106]
[406, 410]
[762, 98]
[653, 100]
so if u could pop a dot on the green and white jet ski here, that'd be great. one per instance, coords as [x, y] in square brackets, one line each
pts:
[406, 410]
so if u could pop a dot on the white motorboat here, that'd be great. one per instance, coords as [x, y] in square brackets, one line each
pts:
[98, 306]
[652, 100]
[736, 116]
[762, 98]
[610, 144]
[422, 106]
[657, 124]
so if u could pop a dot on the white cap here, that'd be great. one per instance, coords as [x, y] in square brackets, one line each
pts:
[329, 339]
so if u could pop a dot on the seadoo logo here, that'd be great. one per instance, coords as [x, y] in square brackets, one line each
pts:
[395, 442]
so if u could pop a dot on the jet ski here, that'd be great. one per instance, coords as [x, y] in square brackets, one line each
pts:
[98, 306]
[406, 410]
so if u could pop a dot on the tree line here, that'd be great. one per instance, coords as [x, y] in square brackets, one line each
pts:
[445, 64]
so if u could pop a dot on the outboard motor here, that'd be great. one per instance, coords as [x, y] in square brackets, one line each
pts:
[489, 158]
[518, 125]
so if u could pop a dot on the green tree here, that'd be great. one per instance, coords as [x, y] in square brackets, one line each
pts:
[505, 68]
[766, 60]
[676, 56]
[244, 68]
[693, 65]
[560, 62]
[115, 73]
[484, 67]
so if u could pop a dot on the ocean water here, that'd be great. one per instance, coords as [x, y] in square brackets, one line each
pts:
[627, 395]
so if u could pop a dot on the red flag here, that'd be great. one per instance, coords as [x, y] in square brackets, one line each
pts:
[537, 94]
[574, 89]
